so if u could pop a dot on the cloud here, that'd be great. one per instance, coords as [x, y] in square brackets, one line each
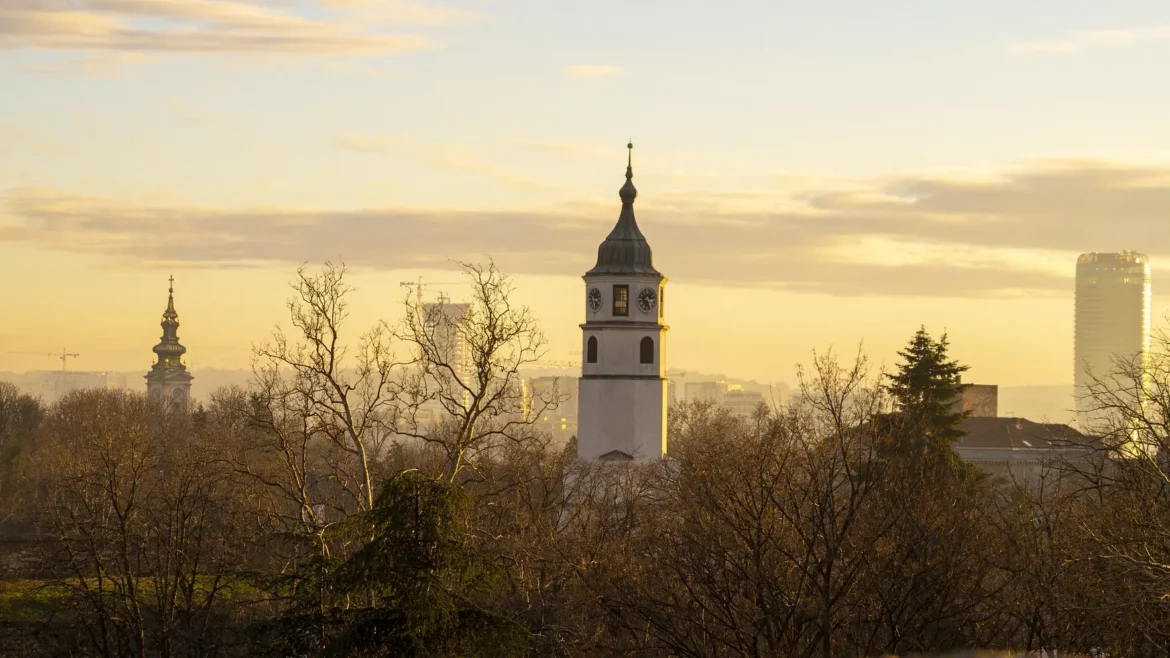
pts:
[238, 27]
[440, 156]
[197, 118]
[401, 12]
[1077, 41]
[89, 65]
[590, 71]
[385, 143]
[1017, 233]
[571, 149]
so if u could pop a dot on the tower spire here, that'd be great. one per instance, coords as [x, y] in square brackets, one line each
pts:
[625, 250]
[628, 192]
[168, 376]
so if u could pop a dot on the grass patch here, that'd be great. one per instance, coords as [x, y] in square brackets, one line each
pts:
[31, 600]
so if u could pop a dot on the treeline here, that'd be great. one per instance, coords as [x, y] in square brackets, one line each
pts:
[386, 495]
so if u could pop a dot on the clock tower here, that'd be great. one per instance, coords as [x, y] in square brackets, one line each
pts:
[622, 395]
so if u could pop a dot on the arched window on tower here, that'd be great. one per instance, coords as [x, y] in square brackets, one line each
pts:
[646, 349]
[591, 350]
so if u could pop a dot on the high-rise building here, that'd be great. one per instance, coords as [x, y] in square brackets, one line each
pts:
[447, 361]
[551, 406]
[168, 379]
[740, 402]
[743, 404]
[1112, 319]
[623, 388]
[444, 321]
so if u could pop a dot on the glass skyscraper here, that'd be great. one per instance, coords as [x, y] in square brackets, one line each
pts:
[1112, 319]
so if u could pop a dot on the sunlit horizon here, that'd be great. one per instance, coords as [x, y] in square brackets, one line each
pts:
[809, 177]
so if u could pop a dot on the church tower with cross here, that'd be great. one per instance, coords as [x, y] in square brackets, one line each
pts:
[622, 395]
[168, 378]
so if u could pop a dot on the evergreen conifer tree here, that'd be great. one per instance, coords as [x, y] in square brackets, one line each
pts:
[927, 387]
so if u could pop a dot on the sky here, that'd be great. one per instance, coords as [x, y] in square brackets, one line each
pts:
[811, 175]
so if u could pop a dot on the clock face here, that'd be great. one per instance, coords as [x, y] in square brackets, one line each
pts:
[594, 299]
[647, 299]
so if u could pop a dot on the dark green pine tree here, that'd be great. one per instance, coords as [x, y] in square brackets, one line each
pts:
[426, 581]
[927, 388]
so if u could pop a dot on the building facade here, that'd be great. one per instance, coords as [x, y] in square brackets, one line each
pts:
[551, 405]
[978, 400]
[168, 378]
[1022, 451]
[743, 404]
[1112, 319]
[622, 391]
[445, 323]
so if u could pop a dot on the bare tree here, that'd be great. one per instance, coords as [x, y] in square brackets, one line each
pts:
[310, 387]
[20, 419]
[470, 358]
[1122, 501]
[147, 538]
[755, 539]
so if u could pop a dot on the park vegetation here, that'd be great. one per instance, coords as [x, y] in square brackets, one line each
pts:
[385, 494]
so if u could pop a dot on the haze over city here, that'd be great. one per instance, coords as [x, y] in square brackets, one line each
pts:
[341, 328]
[809, 175]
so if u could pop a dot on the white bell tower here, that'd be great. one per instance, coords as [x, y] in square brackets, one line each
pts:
[621, 413]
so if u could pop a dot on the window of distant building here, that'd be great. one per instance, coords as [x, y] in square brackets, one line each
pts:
[591, 350]
[621, 300]
[646, 349]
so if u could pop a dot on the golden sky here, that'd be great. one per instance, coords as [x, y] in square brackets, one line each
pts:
[809, 176]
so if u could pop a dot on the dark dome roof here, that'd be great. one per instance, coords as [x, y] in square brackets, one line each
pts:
[625, 250]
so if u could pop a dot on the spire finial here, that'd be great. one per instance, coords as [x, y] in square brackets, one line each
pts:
[171, 289]
[628, 191]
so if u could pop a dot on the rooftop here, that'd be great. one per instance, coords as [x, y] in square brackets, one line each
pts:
[1020, 434]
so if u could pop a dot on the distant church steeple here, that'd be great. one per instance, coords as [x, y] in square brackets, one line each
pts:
[168, 377]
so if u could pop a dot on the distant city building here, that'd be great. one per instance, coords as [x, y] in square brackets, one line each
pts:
[52, 385]
[743, 404]
[1112, 318]
[168, 379]
[978, 400]
[734, 397]
[708, 391]
[552, 403]
[1019, 449]
[623, 386]
[446, 320]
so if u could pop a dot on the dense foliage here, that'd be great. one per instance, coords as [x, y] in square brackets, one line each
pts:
[318, 514]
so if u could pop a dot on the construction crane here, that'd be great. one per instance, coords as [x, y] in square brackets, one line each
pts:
[65, 354]
[418, 286]
[557, 364]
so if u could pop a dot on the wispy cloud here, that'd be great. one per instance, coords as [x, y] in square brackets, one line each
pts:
[569, 148]
[590, 71]
[401, 12]
[88, 65]
[188, 114]
[239, 27]
[1077, 41]
[1017, 233]
[440, 156]
[383, 143]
